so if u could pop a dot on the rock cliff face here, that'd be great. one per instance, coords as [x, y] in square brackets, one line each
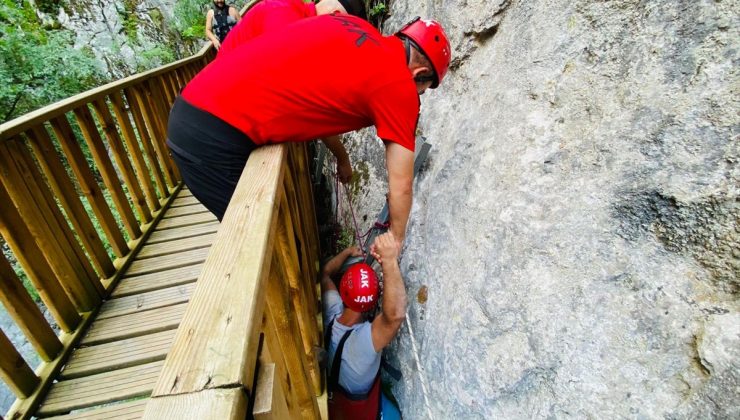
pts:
[127, 36]
[574, 249]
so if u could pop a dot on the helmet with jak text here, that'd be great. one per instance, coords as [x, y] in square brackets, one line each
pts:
[359, 288]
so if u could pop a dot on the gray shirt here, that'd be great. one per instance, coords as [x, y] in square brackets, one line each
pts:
[360, 362]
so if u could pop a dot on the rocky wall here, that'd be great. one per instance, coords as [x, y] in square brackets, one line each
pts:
[573, 249]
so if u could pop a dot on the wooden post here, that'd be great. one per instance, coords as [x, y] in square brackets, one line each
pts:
[26, 314]
[88, 185]
[132, 144]
[124, 165]
[100, 154]
[301, 295]
[163, 111]
[47, 225]
[14, 370]
[159, 131]
[283, 319]
[70, 201]
[273, 353]
[147, 133]
[33, 260]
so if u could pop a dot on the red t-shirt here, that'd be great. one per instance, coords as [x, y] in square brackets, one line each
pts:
[265, 16]
[317, 77]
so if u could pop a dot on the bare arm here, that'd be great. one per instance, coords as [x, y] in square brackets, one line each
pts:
[333, 265]
[344, 168]
[385, 326]
[235, 14]
[209, 30]
[400, 164]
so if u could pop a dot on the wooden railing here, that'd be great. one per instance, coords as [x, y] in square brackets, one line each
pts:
[254, 312]
[51, 200]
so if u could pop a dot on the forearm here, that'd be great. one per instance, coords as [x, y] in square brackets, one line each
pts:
[399, 204]
[394, 293]
[211, 37]
[335, 146]
[334, 264]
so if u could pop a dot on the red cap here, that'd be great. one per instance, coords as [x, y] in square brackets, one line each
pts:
[431, 38]
[359, 288]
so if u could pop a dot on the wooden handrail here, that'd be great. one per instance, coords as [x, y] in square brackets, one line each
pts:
[256, 299]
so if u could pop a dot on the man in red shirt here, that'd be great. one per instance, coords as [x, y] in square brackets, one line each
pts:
[257, 95]
[271, 15]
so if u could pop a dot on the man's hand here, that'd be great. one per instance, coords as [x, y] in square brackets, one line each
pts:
[344, 171]
[385, 248]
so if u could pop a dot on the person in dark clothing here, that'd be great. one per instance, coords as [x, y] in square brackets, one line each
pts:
[220, 18]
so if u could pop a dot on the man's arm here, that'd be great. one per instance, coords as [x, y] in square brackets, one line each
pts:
[234, 13]
[344, 167]
[386, 325]
[400, 164]
[333, 265]
[209, 30]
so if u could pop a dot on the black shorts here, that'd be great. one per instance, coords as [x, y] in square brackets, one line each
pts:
[210, 154]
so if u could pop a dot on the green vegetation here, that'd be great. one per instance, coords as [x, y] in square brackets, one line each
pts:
[190, 18]
[130, 20]
[38, 66]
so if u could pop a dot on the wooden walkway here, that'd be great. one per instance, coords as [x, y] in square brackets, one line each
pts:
[114, 369]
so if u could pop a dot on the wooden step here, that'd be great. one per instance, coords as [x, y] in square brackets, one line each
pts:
[185, 210]
[132, 410]
[98, 389]
[175, 246]
[146, 301]
[193, 219]
[172, 234]
[134, 325]
[166, 262]
[155, 281]
[184, 201]
[118, 354]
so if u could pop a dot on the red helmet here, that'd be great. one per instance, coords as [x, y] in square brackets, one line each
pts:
[359, 288]
[433, 42]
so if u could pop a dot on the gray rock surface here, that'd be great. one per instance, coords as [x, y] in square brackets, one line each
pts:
[574, 249]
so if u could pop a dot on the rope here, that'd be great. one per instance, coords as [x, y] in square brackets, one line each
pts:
[354, 220]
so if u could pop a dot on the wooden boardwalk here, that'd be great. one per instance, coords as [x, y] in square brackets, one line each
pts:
[114, 369]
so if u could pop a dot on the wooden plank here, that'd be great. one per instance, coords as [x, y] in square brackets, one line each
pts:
[166, 262]
[216, 404]
[158, 280]
[176, 246]
[214, 349]
[69, 199]
[121, 155]
[146, 301]
[142, 323]
[157, 131]
[26, 314]
[186, 210]
[185, 192]
[102, 388]
[164, 83]
[192, 219]
[39, 271]
[185, 201]
[56, 221]
[105, 167]
[159, 236]
[134, 151]
[161, 112]
[88, 185]
[14, 371]
[269, 401]
[125, 411]
[302, 177]
[299, 295]
[272, 352]
[282, 317]
[42, 219]
[146, 142]
[118, 354]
